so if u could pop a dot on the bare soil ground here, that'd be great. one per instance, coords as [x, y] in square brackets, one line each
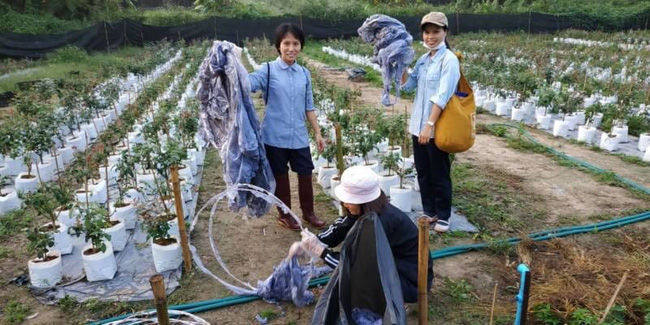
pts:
[464, 284]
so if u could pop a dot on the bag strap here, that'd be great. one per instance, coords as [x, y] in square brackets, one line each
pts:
[268, 80]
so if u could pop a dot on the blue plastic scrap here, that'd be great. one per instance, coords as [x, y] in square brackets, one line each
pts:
[366, 317]
[290, 282]
[393, 50]
[229, 123]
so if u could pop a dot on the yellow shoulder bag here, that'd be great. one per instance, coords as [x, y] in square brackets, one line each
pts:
[455, 129]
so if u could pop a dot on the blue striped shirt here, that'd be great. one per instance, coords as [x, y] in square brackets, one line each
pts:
[290, 98]
[436, 79]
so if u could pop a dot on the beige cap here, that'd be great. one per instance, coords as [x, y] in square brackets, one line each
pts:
[436, 18]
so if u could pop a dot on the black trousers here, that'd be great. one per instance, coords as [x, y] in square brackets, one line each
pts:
[434, 177]
[299, 159]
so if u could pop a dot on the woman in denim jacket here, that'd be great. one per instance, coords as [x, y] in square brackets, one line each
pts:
[435, 78]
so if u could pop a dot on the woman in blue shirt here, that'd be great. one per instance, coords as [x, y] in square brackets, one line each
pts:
[435, 76]
[289, 102]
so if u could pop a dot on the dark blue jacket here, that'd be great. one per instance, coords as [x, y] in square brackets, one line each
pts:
[402, 236]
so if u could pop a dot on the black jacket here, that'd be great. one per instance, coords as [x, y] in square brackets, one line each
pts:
[402, 235]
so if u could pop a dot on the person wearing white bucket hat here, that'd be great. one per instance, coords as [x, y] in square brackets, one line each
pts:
[360, 194]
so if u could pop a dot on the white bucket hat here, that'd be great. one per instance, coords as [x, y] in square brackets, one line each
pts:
[359, 184]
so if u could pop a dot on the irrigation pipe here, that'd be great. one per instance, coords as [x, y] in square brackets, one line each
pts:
[200, 306]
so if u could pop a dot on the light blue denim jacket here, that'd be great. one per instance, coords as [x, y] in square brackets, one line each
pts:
[436, 79]
[290, 98]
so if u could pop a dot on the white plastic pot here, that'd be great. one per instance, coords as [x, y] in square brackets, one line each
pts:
[67, 154]
[621, 133]
[646, 156]
[186, 191]
[26, 185]
[541, 111]
[146, 183]
[372, 164]
[609, 143]
[45, 170]
[90, 131]
[200, 156]
[99, 266]
[385, 181]
[173, 227]
[401, 197]
[382, 146]
[395, 150]
[118, 234]
[9, 201]
[560, 128]
[644, 141]
[581, 118]
[325, 175]
[62, 240]
[132, 195]
[98, 187]
[66, 217]
[99, 123]
[503, 109]
[12, 167]
[586, 134]
[113, 174]
[480, 101]
[80, 195]
[318, 161]
[597, 120]
[490, 105]
[126, 213]
[172, 207]
[114, 159]
[334, 182]
[167, 257]
[518, 114]
[77, 142]
[571, 121]
[46, 274]
[529, 109]
[186, 173]
[191, 162]
[406, 162]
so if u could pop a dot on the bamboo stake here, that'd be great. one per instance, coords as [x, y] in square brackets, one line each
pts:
[423, 264]
[613, 299]
[494, 300]
[178, 203]
[58, 172]
[160, 298]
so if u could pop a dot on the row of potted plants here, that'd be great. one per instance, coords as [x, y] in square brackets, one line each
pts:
[104, 223]
[48, 138]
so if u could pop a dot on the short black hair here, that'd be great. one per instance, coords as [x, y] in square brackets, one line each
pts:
[286, 28]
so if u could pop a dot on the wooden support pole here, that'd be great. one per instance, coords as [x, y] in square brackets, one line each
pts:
[423, 265]
[178, 203]
[160, 298]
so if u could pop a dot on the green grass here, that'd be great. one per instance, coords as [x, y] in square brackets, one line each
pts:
[488, 199]
[87, 65]
[15, 312]
[14, 222]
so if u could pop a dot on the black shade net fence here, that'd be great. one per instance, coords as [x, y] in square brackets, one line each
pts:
[106, 36]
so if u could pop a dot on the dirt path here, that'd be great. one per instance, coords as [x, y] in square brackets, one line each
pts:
[580, 195]
[636, 173]
[368, 91]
